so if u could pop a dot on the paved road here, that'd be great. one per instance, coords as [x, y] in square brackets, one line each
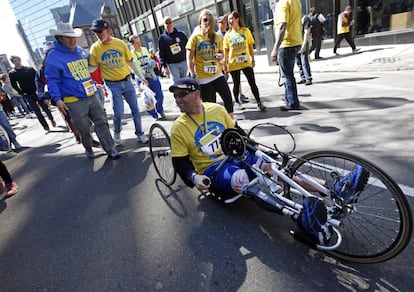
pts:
[102, 225]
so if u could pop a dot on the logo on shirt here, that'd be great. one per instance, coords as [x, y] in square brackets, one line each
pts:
[112, 59]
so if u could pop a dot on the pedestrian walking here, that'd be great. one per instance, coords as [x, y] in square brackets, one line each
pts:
[302, 58]
[22, 79]
[115, 60]
[72, 88]
[345, 22]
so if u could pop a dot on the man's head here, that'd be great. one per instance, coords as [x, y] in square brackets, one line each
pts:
[168, 24]
[135, 41]
[17, 62]
[348, 9]
[101, 29]
[187, 95]
[4, 77]
[222, 23]
[66, 34]
[312, 11]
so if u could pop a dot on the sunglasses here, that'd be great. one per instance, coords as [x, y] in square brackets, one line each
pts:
[168, 22]
[206, 19]
[181, 94]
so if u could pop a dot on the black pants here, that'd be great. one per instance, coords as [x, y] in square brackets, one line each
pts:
[316, 45]
[348, 37]
[220, 86]
[34, 103]
[249, 73]
[4, 173]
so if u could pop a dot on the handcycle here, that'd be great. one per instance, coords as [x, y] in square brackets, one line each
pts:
[372, 225]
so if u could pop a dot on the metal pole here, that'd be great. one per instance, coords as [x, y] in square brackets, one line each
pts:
[157, 31]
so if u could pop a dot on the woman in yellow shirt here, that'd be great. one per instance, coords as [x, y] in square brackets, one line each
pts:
[239, 56]
[204, 53]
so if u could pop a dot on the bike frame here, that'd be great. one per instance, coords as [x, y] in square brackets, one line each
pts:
[276, 190]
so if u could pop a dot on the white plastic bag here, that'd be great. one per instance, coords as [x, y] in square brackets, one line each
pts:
[148, 96]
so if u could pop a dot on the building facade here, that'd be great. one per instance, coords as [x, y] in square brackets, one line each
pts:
[35, 18]
[371, 16]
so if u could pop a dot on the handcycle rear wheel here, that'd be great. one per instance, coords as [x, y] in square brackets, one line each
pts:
[376, 227]
[160, 149]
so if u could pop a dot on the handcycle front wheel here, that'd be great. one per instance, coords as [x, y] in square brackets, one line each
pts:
[160, 149]
[376, 226]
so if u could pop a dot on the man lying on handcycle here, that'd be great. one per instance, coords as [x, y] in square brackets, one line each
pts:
[197, 153]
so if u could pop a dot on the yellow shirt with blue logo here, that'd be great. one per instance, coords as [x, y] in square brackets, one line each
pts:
[112, 58]
[238, 45]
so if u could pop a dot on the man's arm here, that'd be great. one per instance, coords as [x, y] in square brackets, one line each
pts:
[279, 36]
[136, 70]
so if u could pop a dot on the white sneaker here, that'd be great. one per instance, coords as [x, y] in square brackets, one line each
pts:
[117, 138]
[143, 139]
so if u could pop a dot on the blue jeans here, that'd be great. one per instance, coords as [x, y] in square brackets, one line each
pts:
[4, 122]
[287, 57]
[302, 60]
[178, 70]
[120, 90]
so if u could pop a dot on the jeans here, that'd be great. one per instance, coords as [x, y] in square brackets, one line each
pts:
[178, 70]
[19, 102]
[302, 60]
[287, 57]
[121, 90]
[4, 122]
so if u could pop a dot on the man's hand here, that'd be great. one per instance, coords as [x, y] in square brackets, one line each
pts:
[62, 107]
[201, 182]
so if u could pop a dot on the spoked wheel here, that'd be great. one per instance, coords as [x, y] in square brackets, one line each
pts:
[376, 224]
[160, 148]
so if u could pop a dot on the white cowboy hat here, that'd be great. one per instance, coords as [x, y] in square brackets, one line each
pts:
[65, 29]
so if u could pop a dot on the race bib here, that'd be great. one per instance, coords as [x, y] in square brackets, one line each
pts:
[175, 49]
[89, 87]
[241, 58]
[210, 143]
[210, 67]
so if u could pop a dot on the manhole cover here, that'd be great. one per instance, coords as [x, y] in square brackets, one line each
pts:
[386, 60]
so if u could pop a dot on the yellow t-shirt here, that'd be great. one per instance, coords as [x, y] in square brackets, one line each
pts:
[238, 45]
[207, 65]
[290, 12]
[112, 58]
[190, 138]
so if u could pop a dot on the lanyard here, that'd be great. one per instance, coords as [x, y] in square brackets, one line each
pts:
[204, 125]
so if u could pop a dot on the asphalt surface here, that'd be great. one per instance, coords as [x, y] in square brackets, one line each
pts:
[102, 225]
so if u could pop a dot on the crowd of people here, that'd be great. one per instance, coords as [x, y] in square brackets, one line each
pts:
[201, 63]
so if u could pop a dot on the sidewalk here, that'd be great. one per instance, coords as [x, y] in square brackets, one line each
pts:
[369, 58]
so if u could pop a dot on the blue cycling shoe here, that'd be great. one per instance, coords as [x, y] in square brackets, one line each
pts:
[352, 183]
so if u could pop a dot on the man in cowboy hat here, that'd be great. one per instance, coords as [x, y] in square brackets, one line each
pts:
[72, 88]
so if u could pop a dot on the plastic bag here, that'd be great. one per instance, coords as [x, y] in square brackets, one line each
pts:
[148, 99]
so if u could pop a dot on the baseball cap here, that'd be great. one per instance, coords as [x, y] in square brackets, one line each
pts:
[221, 18]
[185, 83]
[98, 25]
[349, 7]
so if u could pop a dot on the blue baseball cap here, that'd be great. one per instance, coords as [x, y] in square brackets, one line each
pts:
[98, 25]
[185, 83]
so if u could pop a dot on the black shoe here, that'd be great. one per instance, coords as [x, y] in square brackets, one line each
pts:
[287, 108]
[308, 82]
[318, 58]
[301, 82]
[261, 106]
